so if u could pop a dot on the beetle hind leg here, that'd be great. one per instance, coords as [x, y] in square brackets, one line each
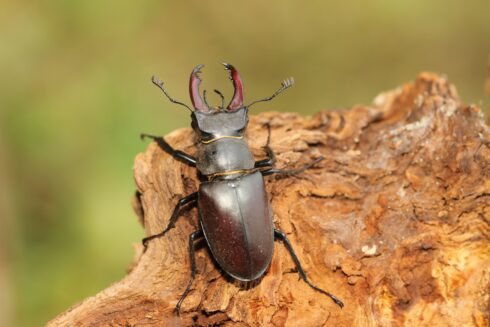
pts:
[282, 236]
[192, 256]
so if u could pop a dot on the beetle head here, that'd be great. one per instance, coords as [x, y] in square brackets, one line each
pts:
[211, 122]
[209, 125]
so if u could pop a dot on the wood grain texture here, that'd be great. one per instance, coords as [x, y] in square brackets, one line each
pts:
[395, 222]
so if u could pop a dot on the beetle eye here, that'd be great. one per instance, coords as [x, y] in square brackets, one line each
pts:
[205, 134]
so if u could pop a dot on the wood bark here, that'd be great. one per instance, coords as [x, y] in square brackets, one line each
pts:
[395, 222]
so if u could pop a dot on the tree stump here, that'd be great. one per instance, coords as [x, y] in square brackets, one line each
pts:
[395, 222]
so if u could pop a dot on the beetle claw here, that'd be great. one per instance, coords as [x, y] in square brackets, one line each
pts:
[194, 82]
[237, 99]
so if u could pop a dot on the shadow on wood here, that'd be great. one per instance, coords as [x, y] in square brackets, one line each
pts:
[395, 221]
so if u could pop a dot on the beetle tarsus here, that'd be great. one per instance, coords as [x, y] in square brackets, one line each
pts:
[192, 237]
[179, 155]
[271, 157]
[143, 136]
[282, 236]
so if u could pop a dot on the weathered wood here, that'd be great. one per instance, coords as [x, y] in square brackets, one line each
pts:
[395, 221]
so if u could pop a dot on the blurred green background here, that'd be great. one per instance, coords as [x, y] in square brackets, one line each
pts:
[76, 92]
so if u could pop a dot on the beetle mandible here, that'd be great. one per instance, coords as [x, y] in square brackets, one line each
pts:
[234, 212]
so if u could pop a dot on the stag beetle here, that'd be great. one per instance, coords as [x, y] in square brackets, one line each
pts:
[234, 212]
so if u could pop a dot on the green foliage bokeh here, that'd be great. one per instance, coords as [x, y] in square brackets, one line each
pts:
[76, 93]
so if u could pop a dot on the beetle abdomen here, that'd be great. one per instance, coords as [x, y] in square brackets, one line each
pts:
[236, 221]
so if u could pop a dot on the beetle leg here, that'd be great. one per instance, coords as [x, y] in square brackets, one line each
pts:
[191, 198]
[271, 157]
[192, 237]
[282, 236]
[269, 161]
[270, 171]
[180, 155]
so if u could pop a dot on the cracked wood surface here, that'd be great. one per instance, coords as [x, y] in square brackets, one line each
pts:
[395, 222]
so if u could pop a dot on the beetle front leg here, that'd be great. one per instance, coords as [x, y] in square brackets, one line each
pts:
[192, 256]
[180, 155]
[191, 198]
[282, 236]
[269, 161]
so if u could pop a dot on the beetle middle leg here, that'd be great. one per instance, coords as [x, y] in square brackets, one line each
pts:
[282, 236]
[191, 198]
[270, 171]
[267, 163]
[192, 256]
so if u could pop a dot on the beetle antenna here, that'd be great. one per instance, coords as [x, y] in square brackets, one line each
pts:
[286, 84]
[205, 99]
[222, 98]
[159, 84]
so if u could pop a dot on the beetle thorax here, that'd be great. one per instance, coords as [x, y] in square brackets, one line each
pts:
[222, 147]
